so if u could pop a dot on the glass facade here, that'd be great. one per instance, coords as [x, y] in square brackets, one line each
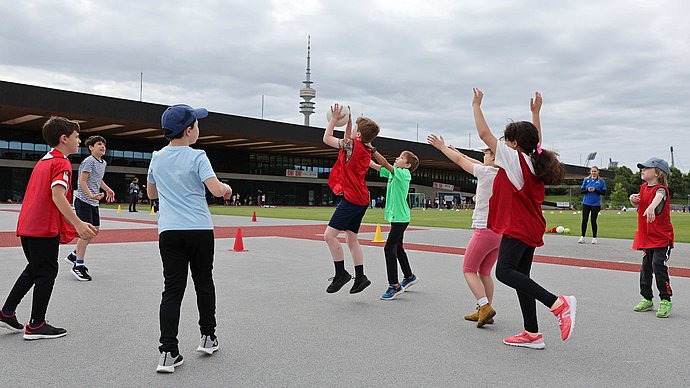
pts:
[134, 158]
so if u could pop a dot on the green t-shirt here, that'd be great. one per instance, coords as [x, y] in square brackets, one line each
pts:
[397, 208]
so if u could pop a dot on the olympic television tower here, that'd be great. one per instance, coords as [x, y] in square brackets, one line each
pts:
[307, 107]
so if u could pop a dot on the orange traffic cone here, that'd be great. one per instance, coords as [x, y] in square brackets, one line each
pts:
[254, 217]
[239, 245]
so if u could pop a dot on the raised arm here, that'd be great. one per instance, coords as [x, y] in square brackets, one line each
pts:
[348, 128]
[384, 162]
[482, 127]
[457, 157]
[375, 166]
[328, 138]
[535, 107]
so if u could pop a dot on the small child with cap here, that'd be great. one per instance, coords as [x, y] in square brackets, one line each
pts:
[177, 175]
[654, 236]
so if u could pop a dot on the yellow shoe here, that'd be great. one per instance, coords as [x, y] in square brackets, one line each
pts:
[485, 312]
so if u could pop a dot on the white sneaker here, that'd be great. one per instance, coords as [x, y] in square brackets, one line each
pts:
[207, 345]
[594, 241]
[581, 240]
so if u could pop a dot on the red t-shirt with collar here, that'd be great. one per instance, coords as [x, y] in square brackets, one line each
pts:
[39, 217]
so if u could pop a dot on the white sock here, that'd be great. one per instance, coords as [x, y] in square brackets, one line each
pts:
[482, 301]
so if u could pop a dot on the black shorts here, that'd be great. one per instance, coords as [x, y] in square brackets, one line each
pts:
[86, 212]
[347, 216]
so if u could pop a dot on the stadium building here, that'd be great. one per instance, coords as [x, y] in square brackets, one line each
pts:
[287, 163]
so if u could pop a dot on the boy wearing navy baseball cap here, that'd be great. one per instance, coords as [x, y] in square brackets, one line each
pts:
[179, 175]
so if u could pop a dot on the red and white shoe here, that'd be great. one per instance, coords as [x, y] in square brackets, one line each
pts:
[526, 341]
[565, 314]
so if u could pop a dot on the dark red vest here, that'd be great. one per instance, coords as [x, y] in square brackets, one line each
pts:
[347, 177]
[658, 233]
[517, 213]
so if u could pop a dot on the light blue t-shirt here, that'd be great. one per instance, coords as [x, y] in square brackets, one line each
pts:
[179, 173]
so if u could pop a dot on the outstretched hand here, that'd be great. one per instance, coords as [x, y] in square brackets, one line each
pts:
[535, 103]
[478, 95]
[336, 112]
[436, 141]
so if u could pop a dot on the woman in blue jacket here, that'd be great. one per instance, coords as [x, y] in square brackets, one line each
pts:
[593, 187]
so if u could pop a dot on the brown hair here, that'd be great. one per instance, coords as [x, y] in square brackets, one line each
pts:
[57, 126]
[412, 159]
[368, 128]
[546, 164]
[92, 140]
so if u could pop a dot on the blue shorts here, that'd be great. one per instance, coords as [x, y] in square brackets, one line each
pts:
[86, 212]
[347, 216]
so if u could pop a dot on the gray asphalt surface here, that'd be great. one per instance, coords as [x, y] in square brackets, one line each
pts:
[278, 328]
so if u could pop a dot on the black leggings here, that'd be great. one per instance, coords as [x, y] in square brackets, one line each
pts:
[395, 253]
[513, 269]
[586, 209]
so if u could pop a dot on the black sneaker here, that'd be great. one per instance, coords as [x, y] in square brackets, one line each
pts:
[338, 282]
[71, 258]
[167, 362]
[11, 323]
[361, 283]
[44, 331]
[81, 273]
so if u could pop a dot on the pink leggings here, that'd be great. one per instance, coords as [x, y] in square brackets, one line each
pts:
[482, 252]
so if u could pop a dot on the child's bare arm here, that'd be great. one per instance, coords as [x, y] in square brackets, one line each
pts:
[348, 128]
[384, 162]
[535, 107]
[328, 138]
[455, 156]
[482, 126]
[151, 191]
[649, 212]
[85, 187]
[109, 193]
[218, 188]
[375, 166]
[85, 230]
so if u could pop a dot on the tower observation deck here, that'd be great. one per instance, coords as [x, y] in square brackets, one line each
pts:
[307, 107]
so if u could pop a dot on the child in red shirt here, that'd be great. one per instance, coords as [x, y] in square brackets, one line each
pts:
[42, 226]
[347, 179]
[654, 235]
[515, 212]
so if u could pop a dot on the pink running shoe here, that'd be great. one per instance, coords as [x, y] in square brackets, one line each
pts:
[565, 314]
[526, 341]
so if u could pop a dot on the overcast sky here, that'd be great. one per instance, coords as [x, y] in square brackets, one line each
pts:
[615, 75]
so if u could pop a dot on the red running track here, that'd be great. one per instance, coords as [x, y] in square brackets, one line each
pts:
[314, 232]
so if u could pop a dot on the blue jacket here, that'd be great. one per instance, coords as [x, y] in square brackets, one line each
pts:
[593, 198]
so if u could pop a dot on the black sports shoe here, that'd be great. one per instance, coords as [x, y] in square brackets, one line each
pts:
[81, 272]
[338, 282]
[44, 331]
[71, 258]
[361, 283]
[11, 323]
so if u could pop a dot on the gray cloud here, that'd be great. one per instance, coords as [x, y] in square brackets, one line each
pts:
[614, 74]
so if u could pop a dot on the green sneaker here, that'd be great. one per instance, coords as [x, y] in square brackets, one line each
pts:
[664, 309]
[644, 305]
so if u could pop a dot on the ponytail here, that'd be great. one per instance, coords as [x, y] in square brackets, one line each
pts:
[547, 167]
